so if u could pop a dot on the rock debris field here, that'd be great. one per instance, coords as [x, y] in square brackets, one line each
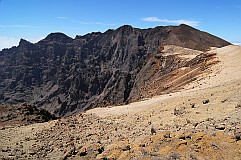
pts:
[200, 121]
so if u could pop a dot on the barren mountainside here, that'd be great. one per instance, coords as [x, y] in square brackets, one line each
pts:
[65, 75]
[170, 93]
[201, 121]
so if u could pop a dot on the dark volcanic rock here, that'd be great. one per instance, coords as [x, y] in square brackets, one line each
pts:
[185, 35]
[23, 115]
[65, 75]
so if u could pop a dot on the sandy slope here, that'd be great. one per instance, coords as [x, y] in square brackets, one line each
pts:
[210, 104]
[186, 109]
[228, 70]
[224, 77]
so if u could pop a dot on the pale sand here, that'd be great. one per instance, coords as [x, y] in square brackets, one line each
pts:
[221, 83]
[228, 70]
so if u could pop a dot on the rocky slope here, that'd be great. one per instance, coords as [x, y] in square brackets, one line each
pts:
[200, 121]
[65, 75]
[17, 115]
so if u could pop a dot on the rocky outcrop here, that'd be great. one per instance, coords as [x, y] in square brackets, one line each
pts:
[22, 115]
[65, 75]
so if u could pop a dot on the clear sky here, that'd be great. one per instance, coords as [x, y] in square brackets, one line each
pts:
[35, 19]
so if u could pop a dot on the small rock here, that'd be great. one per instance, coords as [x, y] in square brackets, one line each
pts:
[220, 127]
[166, 134]
[126, 148]
[51, 143]
[72, 125]
[183, 142]
[224, 100]
[193, 105]
[153, 130]
[188, 121]
[238, 105]
[206, 101]
[237, 133]
[2, 128]
[31, 152]
[179, 111]
[6, 150]
[238, 136]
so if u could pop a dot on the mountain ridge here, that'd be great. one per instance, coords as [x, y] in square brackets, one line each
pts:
[65, 75]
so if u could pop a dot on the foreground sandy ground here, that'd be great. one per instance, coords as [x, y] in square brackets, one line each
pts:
[202, 121]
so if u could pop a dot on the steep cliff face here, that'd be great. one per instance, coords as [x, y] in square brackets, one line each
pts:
[65, 75]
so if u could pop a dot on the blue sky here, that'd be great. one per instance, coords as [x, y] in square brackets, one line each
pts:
[35, 19]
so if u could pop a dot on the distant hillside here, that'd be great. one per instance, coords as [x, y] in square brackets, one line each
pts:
[65, 75]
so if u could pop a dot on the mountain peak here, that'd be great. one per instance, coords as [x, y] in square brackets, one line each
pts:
[125, 27]
[23, 42]
[58, 37]
[184, 25]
